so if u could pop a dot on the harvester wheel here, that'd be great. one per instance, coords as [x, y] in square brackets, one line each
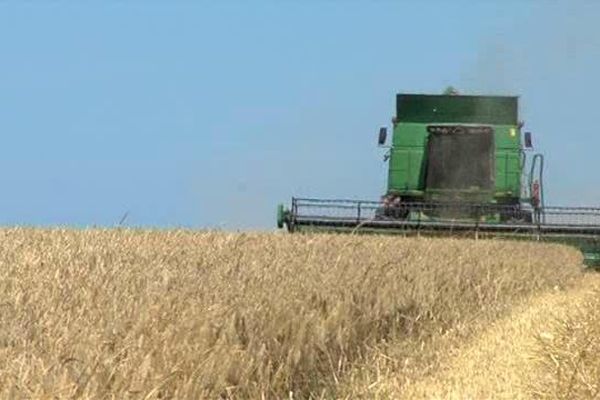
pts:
[391, 213]
[521, 216]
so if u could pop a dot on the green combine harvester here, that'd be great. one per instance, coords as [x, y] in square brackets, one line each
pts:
[460, 166]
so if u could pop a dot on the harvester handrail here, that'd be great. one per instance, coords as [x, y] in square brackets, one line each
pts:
[427, 205]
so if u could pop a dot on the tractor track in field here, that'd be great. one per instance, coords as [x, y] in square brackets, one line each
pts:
[498, 362]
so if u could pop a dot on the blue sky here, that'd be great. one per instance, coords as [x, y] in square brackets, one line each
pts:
[207, 114]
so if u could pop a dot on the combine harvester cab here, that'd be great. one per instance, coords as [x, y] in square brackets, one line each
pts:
[460, 166]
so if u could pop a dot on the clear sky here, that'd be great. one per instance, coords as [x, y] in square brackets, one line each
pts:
[207, 114]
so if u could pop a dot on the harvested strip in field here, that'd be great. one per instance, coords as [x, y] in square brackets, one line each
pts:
[500, 363]
[567, 353]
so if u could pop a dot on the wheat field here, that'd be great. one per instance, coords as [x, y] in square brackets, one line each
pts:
[175, 314]
[567, 352]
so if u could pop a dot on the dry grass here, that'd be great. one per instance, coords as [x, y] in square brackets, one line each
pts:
[176, 314]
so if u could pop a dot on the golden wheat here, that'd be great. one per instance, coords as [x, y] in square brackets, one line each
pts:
[181, 314]
[568, 352]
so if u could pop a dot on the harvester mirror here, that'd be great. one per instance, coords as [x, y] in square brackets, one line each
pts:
[382, 136]
[528, 141]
